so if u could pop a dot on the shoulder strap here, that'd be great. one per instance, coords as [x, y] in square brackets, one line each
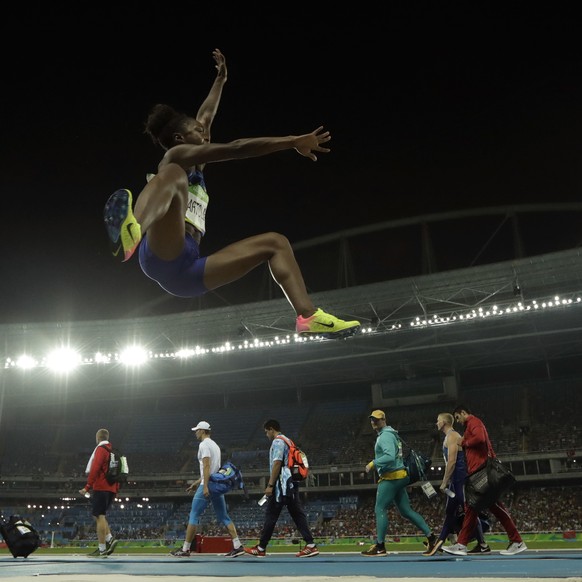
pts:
[490, 448]
[397, 435]
[109, 450]
[285, 439]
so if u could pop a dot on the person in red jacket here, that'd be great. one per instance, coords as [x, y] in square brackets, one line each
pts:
[477, 448]
[103, 493]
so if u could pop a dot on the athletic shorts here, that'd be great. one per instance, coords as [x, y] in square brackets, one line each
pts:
[182, 277]
[100, 502]
[200, 503]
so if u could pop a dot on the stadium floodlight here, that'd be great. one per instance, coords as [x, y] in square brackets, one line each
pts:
[26, 362]
[66, 359]
[133, 356]
[101, 358]
[63, 360]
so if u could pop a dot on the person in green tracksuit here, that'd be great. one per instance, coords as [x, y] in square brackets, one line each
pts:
[392, 481]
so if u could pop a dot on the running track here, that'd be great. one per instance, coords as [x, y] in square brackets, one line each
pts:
[530, 564]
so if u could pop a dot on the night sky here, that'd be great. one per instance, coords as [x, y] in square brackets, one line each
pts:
[429, 111]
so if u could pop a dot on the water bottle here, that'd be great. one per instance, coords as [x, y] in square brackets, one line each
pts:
[450, 493]
[263, 500]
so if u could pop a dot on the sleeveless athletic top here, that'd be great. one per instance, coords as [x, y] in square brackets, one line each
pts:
[197, 200]
[460, 465]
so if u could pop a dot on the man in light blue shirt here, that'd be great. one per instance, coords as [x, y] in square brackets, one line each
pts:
[282, 491]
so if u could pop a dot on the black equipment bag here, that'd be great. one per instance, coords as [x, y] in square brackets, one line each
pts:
[416, 464]
[486, 485]
[20, 536]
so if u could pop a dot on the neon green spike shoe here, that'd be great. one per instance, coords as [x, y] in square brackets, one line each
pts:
[325, 325]
[123, 230]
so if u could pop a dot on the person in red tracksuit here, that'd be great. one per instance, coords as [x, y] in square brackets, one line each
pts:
[103, 493]
[477, 448]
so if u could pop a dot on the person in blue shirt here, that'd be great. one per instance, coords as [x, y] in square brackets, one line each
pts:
[392, 482]
[281, 491]
[452, 485]
[168, 222]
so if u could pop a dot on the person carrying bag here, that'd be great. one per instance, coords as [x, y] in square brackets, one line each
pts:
[486, 485]
[487, 480]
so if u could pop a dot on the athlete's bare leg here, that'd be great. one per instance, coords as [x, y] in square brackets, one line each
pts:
[160, 209]
[236, 260]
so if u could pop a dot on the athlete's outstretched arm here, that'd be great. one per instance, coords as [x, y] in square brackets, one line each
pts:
[189, 155]
[209, 107]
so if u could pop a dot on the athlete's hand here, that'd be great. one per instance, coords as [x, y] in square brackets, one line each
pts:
[311, 142]
[220, 63]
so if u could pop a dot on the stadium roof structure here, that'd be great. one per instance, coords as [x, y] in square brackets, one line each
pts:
[514, 318]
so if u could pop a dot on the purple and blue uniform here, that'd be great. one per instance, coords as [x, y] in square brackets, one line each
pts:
[183, 276]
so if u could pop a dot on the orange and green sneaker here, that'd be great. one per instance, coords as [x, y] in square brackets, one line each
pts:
[325, 325]
[123, 230]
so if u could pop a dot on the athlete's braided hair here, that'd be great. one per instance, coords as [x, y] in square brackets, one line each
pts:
[162, 122]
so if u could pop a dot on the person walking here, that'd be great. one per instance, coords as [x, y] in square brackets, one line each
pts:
[452, 485]
[169, 219]
[392, 481]
[103, 493]
[209, 458]
[282, 491]
[478, 447]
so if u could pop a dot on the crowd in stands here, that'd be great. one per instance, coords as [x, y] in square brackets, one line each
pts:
[551, 509]
[334, 433]
[534, 508]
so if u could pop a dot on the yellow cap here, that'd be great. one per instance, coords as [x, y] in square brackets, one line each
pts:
[378, 415]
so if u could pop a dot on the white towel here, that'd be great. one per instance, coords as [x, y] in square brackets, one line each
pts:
[88, 469]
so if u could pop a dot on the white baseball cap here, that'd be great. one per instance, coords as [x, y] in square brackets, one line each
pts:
[202, 425]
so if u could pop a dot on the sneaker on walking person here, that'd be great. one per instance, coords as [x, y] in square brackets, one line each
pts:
[450, 538]
[235, 552]
[180, 553]
[94, 554]
[123, 230]
[256, 551]
[325, 325]
[375, 550]
[480, 549]
[307, 552]
[111, 545]
[456, 549]
[433, 548]
[514, 548]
